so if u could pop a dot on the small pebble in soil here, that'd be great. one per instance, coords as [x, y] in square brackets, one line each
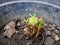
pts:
[54, 25]
[52, 28]
[17, 32]
[57, 37]
[57, 32]
[50, 25]
[49, 41]
[49, 29]
[58, 28]
[45, 24]
[53, 34]
[48, 33]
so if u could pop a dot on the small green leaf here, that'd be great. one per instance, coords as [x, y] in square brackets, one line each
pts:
[41, 23]
[34, 14]
[30, 14]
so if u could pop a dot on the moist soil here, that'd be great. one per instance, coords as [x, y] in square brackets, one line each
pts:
[20, 39]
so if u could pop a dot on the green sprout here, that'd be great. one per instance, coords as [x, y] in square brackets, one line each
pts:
[33, 20]
[32, 15]
[41, 23]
